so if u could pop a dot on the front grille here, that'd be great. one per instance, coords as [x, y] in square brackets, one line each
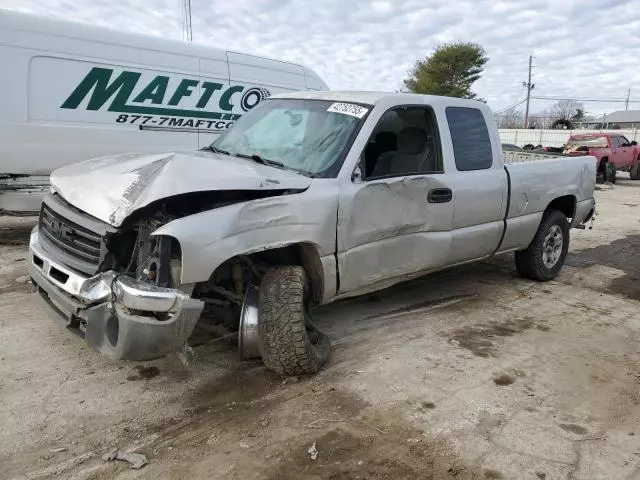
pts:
[75, 242]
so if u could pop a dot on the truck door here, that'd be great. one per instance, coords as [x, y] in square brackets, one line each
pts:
[625, 153]
[616, 153]
[394, 218]
[480, 186]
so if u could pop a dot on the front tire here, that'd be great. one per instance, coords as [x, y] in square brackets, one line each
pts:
[289, 343]
[634, 172]
[610, 172]
[545, 256]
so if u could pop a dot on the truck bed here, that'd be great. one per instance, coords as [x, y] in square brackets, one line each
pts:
[512, 156]
[535, 180]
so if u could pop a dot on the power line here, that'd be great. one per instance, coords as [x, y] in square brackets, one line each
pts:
[602, 100]
[512, 106]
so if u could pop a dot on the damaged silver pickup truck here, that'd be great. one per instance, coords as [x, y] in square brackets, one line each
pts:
[309, 198]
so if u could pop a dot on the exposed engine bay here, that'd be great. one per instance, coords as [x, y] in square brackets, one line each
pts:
[156, 259]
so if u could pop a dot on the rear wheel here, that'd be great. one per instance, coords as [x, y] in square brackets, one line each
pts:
[545, 256]
[290, 343]
[634, 172]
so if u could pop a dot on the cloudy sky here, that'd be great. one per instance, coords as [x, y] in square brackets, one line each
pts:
[583, 48]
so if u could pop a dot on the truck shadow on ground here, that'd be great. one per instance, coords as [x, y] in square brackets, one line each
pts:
[622, 254]
[442, 290]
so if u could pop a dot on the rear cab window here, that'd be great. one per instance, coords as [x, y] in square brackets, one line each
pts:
[470, 138]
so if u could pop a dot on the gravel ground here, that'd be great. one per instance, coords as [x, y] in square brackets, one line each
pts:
[473, 373]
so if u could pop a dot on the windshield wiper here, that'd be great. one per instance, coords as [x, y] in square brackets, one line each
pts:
[213, 149]
[263, 161]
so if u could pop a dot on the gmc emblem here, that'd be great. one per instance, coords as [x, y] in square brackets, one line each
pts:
[61, 230]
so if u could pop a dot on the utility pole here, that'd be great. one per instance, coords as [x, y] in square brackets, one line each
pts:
[626, 104]
[529, 87]
[187, 30]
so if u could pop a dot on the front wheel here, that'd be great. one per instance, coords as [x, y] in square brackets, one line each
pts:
[545, 256]
[290, 343]
[634, 172]
[610, 172]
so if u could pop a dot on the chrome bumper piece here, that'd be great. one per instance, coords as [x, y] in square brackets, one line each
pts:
[585, 210]
[120, 316]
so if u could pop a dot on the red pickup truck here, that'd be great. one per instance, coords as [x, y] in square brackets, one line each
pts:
[614, 152]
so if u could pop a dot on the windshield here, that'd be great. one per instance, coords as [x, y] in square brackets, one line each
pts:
[309, 136]
[593, 142]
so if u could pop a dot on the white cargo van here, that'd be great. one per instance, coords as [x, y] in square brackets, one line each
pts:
[70, 92]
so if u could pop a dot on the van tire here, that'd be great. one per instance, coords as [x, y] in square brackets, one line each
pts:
[289, 343]
[532, 263]
[634, 171]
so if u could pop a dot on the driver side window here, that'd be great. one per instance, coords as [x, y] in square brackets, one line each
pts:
[615, 142]
[404, 142]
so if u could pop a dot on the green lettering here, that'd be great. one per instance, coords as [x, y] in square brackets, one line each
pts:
[183, 90]
[225, 103]
[97, 82]
[208, 88]
[155, 91]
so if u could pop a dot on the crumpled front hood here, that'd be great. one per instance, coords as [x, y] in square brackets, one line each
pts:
[111, 188]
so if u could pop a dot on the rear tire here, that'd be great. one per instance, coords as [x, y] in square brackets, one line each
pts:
[610, 172]
[634, 171]
[289, 343]
[545, 256]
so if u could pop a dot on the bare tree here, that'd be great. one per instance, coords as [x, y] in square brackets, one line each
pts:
[511, 118]
[540, 120]
[567, 109]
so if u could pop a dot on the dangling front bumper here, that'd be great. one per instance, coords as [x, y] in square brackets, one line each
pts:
[117, 315]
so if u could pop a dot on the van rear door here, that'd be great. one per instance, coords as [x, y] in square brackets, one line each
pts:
[214, 96]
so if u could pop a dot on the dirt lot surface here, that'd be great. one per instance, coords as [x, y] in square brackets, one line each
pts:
[473, 373]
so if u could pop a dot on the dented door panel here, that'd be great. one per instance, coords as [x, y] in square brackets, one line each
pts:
[388, 229]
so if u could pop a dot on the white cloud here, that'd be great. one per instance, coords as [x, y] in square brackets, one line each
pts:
[583, 48]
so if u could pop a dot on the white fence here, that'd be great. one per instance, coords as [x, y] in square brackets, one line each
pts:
[554, 138]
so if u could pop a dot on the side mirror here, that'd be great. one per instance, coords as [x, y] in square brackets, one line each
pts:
[634, 143]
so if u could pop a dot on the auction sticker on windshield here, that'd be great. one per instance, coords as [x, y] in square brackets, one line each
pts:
[348, 109]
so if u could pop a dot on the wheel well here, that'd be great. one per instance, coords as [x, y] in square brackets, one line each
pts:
[239, 270]
[303, 254]
[603, 162]
[565, 204]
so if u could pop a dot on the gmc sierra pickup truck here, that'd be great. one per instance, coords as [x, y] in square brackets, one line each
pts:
[309, 198]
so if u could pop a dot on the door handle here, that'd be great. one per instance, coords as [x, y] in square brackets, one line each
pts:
[439, 195]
